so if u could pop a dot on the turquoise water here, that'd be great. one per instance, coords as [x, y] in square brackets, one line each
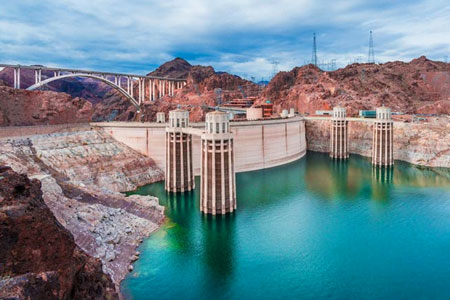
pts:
[312, 229]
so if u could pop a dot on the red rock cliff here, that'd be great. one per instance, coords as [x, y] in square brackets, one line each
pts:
[39, 258]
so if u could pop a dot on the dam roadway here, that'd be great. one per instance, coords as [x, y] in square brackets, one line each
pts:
[258, 144]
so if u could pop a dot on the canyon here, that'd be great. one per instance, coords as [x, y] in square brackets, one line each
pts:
[77, 171]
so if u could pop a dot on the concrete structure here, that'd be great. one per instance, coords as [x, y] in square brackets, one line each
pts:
[257, 144]
[324, 112]
[254, 113]
[148, 87]
[179, 172]
[383, 132]
[338, 134]
[160, 117]
[267, 109]
[218, 180]
[291, 112]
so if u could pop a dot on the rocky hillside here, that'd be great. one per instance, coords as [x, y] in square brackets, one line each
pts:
[39, 258]
[22, 107]
[201, 89]
[82, 172]
[420, 86]
[176, 68]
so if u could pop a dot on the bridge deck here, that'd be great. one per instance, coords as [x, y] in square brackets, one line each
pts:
[37, 67]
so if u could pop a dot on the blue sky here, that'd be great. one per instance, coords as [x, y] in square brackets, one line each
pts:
[238, 36]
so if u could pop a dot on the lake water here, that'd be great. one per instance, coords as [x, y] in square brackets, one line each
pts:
[312, 229]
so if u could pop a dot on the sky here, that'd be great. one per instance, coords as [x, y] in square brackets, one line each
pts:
[243, 37]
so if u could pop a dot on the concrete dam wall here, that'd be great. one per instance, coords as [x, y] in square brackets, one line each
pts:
[258, 144]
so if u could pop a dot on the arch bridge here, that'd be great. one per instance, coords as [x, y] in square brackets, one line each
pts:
[149, 88]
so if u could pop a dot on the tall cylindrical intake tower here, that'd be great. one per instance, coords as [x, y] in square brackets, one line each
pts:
[383, 138]
[179, 172]
[218, 181]
[338, 134]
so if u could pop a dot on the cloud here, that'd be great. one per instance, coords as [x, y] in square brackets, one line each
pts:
[242, 37]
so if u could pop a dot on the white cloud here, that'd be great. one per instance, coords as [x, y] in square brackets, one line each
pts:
[235, 36]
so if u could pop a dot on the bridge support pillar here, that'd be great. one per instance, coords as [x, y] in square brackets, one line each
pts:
[179, 170]
[153, 89]
[17, 78]
[383, 139]
[218, 180]
[338, 134]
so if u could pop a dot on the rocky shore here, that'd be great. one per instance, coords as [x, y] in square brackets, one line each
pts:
[424, 143]
[38, 257]
[82, 173]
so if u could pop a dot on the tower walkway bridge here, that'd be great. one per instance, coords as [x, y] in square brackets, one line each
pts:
[149, 88]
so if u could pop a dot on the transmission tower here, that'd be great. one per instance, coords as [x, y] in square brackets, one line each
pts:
[274, 67]
[314, 52]
[371, 59]
[218, 92]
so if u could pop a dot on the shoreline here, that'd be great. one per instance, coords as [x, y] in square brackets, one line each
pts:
[84, 172]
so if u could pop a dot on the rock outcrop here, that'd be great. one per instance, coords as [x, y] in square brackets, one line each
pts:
[82, 173]
[38, 257]
[420, 86]
[424, 143]
[176, 68]
[22, 107]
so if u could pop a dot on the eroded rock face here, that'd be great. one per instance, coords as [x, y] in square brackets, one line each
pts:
[425, 143]
[39, 258]
[413, 87]
[22, 107]
[81, 173]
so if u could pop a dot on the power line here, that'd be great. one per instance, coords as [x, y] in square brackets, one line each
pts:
[371, 58]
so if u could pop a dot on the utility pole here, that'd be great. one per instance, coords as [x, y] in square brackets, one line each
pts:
[314, 52]
[371, 58]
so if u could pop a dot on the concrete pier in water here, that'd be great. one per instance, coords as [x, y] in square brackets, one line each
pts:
[179, 173]
[218, 180]
[383, 132]
[338, 134]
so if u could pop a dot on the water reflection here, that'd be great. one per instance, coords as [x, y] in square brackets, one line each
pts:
[218, 244]
[283, 242]
[335, 179]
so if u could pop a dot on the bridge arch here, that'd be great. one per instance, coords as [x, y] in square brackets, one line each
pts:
[110, 83]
